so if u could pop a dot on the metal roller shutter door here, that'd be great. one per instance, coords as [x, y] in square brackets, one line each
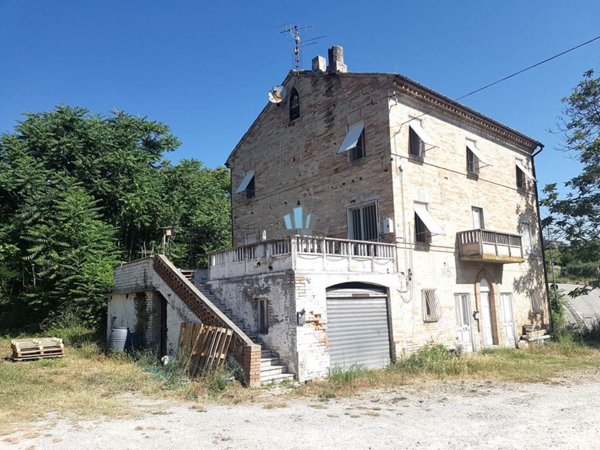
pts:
[357, 329]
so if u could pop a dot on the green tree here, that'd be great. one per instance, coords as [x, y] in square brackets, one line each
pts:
[196, 203]
[78, 192]
[575, 217]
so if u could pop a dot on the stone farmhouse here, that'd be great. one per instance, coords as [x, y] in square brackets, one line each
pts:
[372, 216]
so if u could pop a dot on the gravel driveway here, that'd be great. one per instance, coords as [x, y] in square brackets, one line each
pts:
[564, 413]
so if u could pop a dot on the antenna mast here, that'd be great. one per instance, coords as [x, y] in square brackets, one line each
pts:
[294, 32]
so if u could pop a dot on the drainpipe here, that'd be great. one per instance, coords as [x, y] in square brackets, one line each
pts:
[541, 241]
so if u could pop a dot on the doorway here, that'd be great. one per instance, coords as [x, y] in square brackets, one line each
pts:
[464, 334]
[508, 323]
[486, 313]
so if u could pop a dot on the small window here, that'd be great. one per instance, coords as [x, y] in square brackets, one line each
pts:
[354, 141]
[363, 223]
[472, 163]
[416, 146]
[422, 234]
[247, 185]
[430, 304]
[358, 151]
[477, 214]
[520, 178]
[425, 224]
[418, 140]
[294, 105]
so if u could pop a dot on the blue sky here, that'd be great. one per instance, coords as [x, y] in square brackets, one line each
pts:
[204, 68]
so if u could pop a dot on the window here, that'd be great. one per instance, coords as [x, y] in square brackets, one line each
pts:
[418, 140]
[430, 305]
[359, 150]
[520, 178]
[475, 159]
[522, 174]
[354, 141]
[363, 223]
[477, 214]
[263, 316]
[294, 105]
[247, 185]
[472, 163]
[422, 234]
[425, 224]
[415, 145]
[251, 238]
[527, 241]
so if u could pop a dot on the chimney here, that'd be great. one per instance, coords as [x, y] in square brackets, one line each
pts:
[319, 64]
[336, 60]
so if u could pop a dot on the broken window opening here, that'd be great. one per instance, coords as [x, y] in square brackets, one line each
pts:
[472, 164]
[422, 234]
[520, 178]
[416, 145]
[430, 305]
[358, 151]
[250, 190]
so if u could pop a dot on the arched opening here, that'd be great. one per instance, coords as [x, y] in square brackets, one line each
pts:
[294, 105]
[358, 326]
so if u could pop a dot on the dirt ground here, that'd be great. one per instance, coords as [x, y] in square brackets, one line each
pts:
[564, 413]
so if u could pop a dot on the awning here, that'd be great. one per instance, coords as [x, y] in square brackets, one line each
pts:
[352, 136]
[417, 128]
[479, 154]
[245, 182]
[524, 170]
[429, 221]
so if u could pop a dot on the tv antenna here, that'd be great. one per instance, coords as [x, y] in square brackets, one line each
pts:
[294, 32]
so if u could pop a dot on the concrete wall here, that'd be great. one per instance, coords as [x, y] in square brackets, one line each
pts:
[139, 277]
[241, 294]
[296, 164]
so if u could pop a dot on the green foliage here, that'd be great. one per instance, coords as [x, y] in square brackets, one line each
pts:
[575, 217]
[557, 308]
[78, 193]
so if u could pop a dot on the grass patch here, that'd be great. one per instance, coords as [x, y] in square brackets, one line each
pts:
[537, 364]
[89, 383]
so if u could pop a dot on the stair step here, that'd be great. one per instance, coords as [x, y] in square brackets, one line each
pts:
[267, 353]
[278, 378]
[270, 370]
[267, 363]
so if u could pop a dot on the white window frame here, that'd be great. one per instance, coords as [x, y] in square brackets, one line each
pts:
[361, 208]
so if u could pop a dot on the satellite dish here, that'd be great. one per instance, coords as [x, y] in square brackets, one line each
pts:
[277, 94]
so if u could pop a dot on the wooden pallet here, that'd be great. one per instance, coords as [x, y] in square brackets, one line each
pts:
[205, 347]
[39, 348]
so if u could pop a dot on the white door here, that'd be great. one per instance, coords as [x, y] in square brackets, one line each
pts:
[507, 318]
[463, 322]
[485, 313]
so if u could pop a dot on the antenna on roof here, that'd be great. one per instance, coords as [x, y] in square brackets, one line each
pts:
[294, 32]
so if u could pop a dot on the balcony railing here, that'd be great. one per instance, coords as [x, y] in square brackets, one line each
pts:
[308, 253]
[490, 246]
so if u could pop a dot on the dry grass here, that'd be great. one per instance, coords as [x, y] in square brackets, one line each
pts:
[538, 364]
[90, 384]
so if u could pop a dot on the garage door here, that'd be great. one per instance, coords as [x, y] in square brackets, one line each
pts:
[357, 327]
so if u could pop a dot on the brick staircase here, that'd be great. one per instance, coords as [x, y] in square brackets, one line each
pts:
[272, 370]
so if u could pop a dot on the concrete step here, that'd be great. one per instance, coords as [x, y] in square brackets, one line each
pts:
[276, 378]
[272, 370]
[267, 353]
[267, 362]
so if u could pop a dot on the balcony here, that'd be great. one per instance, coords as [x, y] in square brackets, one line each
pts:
[303, 253]
[490, 246]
